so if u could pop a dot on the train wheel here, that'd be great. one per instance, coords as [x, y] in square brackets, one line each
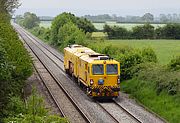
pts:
[87, 90]
[73, 78]
[79, 82]
[115, 97]
[67, 71]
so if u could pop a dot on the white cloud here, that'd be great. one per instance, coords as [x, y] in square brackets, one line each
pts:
[120, 7]
[101, 4]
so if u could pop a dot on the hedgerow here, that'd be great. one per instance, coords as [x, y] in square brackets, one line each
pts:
[42, 33]
[15, 64]
[16, 53]
[156, 87]
[163, 78]
[146, 31]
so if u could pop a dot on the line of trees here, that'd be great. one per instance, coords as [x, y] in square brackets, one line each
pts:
[28, 20]
[147, 17]
[147, 31]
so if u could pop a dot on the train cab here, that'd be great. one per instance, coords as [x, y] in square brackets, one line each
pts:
[98, 73]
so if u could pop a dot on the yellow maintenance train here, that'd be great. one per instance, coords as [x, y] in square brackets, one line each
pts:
[99, 74]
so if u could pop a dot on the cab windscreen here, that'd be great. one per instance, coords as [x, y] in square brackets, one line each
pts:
[98, 69]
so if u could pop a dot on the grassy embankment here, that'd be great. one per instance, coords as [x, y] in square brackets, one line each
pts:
[164, 49]
[164, 105]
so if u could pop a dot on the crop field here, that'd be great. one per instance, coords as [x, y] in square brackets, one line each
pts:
[165, 49]
[128, 26]
[46, 24]
[99, 26]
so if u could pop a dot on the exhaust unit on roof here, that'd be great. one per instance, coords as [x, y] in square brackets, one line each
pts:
[103, 57]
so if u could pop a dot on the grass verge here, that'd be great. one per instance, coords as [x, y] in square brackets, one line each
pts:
[164, 105]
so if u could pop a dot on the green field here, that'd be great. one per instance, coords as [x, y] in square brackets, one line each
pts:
[99, 26]
[128, 26]
[46, 24]
[165, 49]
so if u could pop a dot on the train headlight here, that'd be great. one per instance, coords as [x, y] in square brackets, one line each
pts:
[100, 82]
[91, 81]
[118, 80]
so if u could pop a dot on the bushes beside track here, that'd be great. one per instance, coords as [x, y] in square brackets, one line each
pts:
[42, 33]
[175, 64]
[15, 64]
[127, 56]
[157, 87]
[15, 68]
[33, 111]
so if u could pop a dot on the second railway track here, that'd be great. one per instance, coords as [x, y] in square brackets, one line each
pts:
[118, 113]
[66, 104]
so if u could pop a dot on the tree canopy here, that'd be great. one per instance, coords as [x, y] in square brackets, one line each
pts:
[70, 34]
[65, 18]
[148, 17]
[8, 6]
[30, 20]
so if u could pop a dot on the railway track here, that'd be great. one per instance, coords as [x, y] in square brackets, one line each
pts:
[55, 86]
[40, 75]
[117, 112]
[62, 60]
[50, 93]
[127, 112]
[50, 53]
[107, 112]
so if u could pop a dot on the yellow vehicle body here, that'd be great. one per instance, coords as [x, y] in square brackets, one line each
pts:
[96, 72]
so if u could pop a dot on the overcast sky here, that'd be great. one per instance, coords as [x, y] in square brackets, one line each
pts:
[94, 7]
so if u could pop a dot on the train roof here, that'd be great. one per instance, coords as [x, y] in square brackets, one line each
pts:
[87, 54]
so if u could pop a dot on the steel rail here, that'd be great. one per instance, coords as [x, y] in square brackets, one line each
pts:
[127, 112]
[113, 118]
